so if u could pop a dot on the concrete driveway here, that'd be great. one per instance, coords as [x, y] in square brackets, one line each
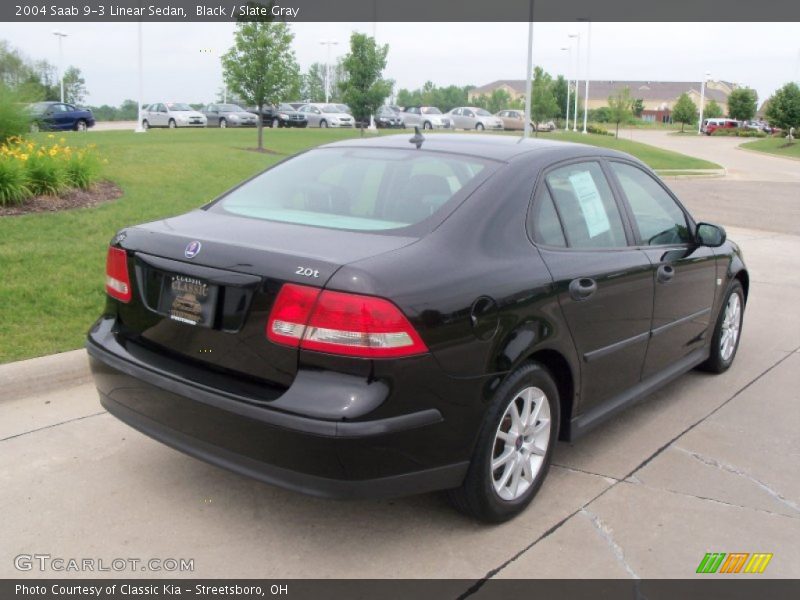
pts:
[708, 464]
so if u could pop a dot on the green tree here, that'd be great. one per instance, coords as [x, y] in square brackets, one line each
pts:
[560, 92]
[742, 104]
[74, 86]
[314, 83]
[638, 108]
[620, 108]
[712, 110]
[783, 110]
[684, 111]
[543, 100]
[13, 119]
[261, 67]
[365, 90]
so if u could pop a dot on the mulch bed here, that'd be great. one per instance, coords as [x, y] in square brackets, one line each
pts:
[100, 192]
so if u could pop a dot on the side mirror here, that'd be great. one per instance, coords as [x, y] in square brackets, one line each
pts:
[710, 235]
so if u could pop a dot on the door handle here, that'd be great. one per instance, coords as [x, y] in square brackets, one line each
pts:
[582, 288]
[665, 273]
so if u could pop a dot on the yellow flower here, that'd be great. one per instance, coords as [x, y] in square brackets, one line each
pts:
[105, 161]
[23, 157]
[62, 140]
[51, 136]
[53, 151]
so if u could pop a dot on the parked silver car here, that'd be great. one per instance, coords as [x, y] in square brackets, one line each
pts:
[471, 117]
[427, 117]
[323, 115]
[172, 115]
[229, 115]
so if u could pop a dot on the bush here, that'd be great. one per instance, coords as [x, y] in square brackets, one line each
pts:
[47, 177]
[13, 116]
[597, 129]
[738, 133]
[82, 168]
[13, 182]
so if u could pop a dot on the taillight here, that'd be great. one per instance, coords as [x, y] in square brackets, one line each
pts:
[341, 323]
[118, 284]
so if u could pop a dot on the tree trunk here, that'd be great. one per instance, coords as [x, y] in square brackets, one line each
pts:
[682, 124]
[617, 134]
[260, 126]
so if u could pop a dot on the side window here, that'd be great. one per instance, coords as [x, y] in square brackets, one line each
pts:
[658, 217]
[468, 113]
[544, 220]
[586, 205]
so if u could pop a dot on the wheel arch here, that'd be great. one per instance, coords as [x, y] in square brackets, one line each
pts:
[744, 278]
[559, 367]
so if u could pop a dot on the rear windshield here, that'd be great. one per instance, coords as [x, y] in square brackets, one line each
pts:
[357, 188]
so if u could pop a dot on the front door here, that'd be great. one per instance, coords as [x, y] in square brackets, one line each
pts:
[684, 273]
[605, 286]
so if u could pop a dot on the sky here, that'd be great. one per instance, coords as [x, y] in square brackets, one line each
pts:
[181, 60]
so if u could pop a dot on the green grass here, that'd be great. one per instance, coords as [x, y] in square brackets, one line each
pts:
[778, 146]
[656, 158]
[52, 264]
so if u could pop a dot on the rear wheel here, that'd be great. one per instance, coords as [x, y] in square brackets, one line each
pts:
[427, 125]
[514, 448]
[34, 127]
[145, 125]
[172, 124]
[727, 332]
[223, 123]
[479, 127]
[323, 124]
[81, 125]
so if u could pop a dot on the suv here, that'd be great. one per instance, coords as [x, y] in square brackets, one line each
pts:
[711, 125]
[283, 115]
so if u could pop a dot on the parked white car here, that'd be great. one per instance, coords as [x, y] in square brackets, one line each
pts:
[471, 117]
[172, 115]
[426, 117]
[324, 115]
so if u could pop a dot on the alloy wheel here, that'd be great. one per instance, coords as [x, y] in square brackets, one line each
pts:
[520, 443]
[731, 324]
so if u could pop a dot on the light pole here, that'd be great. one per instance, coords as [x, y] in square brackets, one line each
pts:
[569, 68]
[588, 70]
[526, 131]
[702, 102]
[139, 127]
[60, 35]
[577, 72]
[328, 43]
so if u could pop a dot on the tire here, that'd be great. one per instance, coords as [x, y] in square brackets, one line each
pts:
[172, 124]
[34, 128]
[427, 125]
[492, 495]
[223, 123]
[479, 127]
[81, 125]
[323, 124]
[145, 125]
[727, 332]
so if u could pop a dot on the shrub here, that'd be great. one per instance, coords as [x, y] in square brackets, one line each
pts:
[738, 133]
[597, 129]
[13, 182]
[13, 117]
[47, 177]
[82, 168]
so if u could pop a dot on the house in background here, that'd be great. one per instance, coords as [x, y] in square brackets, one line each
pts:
[658, 97]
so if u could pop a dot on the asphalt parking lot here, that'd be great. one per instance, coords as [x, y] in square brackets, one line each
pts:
[708, 464]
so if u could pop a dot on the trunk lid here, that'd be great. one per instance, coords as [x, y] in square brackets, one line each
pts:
[223, 273]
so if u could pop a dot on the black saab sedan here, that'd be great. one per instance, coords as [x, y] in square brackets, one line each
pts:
[378, 318]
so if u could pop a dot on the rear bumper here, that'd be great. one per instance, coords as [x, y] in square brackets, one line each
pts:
[386, 457]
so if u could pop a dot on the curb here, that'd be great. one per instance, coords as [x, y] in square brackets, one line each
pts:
[762, 153]
[25, 378]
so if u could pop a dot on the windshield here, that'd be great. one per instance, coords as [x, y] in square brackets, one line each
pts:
[288, 107]
[355, 188]
[39, 107]
[331, 108]
[483, 113]
[230, 108]
[178, 106]
[385, 111]
[431, 110]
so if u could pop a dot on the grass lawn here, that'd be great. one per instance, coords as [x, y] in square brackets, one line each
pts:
[52, 264]
[778, 146]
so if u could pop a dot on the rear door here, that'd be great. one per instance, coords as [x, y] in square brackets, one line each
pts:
[684, 273]
[605, 286]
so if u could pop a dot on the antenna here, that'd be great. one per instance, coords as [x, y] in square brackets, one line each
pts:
[417, 138]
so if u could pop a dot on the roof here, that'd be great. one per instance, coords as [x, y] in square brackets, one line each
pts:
[602, 89]
[494, 147]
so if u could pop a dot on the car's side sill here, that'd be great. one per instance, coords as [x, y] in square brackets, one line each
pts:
[584, 423]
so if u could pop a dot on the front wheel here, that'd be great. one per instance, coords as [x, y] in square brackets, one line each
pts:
[34, 127]
[223, 123]
[427, 125]
[172, 124]
[479, 127]
[323, 124]
[81, 125]
[725, 341]
[145, 125]
[514, 448]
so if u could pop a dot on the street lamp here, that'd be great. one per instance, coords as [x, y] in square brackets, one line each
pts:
[577, 72]
[139, 126]
[328, 43]
[60, 35]
[569, 68]
[702, 102]
[588, 70]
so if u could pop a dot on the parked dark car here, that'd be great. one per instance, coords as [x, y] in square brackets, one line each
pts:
[377, 318]
[284, 115]
[58, 116]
